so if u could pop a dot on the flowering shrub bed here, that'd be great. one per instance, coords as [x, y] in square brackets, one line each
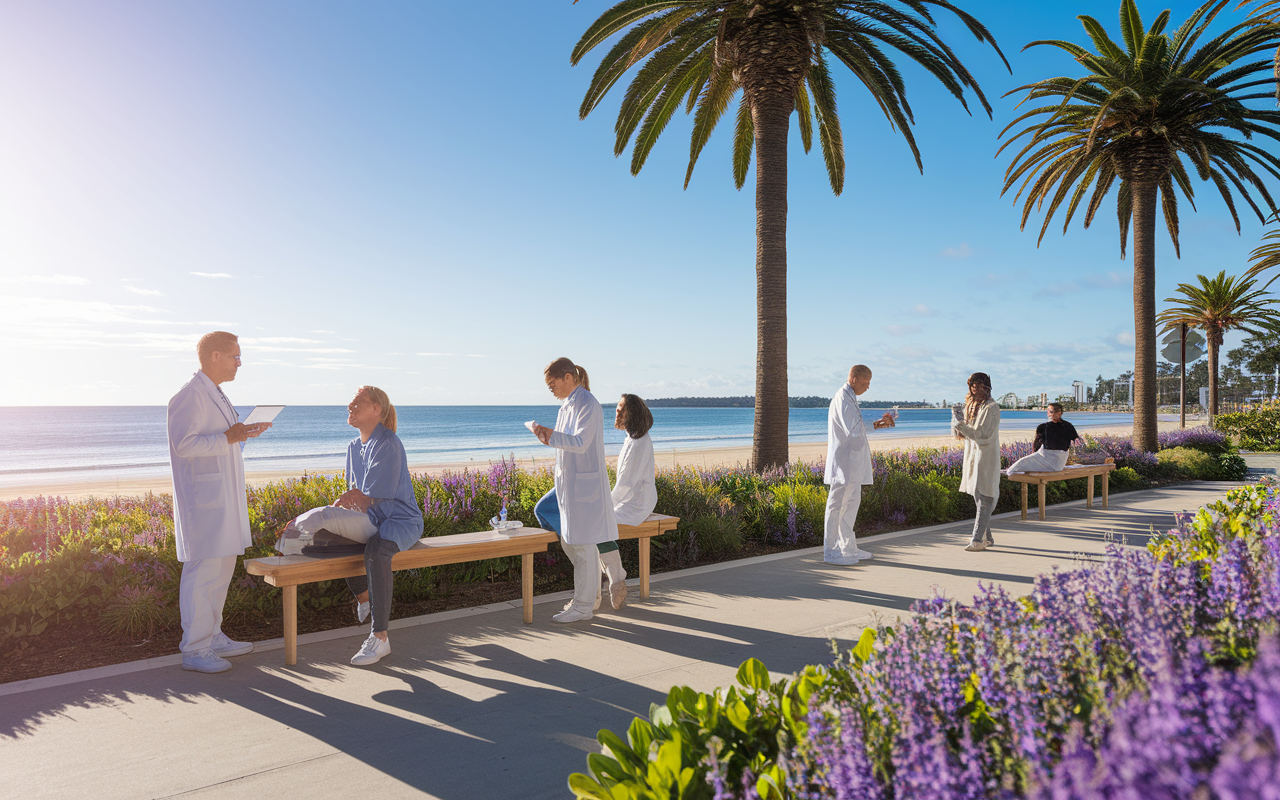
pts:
[1154, 674]
[113, 560]
[1257, 427]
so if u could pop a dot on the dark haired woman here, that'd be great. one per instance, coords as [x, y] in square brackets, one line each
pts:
[634, 492]
[980, 430]
[579, 508]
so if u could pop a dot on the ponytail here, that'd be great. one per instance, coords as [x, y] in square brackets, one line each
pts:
[380, 399]
[562, 366]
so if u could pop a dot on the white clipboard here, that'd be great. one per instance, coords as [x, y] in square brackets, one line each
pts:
[262, 414]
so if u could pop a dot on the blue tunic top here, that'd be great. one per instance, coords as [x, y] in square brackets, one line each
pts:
[380, 469]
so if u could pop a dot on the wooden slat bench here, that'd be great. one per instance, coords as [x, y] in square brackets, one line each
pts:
[655, 525]
[289, 572]
[1071, 472]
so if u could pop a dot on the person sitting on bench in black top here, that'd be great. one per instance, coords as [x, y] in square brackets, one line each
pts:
[1051, 446]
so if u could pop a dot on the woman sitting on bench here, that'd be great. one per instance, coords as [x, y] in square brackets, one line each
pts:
[635, 492]
[1051, 447]
[379, 509]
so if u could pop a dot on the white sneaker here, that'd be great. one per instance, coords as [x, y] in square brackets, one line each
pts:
[362, 611]
[571, 615]
[976, 547]
[618, 594]
[863, 555]
[205, 661]
[227, 647]
[839, 560]
[371, 652]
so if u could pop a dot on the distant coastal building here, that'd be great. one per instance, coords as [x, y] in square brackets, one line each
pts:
[1079, 391]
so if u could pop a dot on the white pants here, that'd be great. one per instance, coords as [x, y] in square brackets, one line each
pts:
[345, 522]
[1040, 461]
[586, 573]
[611, 566]
[838, 544]
[201, 594]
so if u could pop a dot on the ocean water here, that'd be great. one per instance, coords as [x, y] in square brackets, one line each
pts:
[66, 444]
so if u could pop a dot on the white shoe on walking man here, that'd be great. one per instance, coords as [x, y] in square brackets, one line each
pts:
[210, 509]
[848, 468]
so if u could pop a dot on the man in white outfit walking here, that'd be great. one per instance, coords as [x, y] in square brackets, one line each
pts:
[848, 468]
[210, 509]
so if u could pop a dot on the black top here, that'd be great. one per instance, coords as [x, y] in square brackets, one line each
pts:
[1055, 436]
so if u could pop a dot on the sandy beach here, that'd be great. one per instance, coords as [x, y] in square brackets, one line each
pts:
[665, 457]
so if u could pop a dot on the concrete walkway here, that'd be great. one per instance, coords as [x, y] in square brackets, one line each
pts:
[477, 705]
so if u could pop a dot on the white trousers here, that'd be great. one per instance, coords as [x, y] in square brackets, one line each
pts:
[611, 566]
[838, 543]
[1041, 461]
[586, 573]
[201, 593]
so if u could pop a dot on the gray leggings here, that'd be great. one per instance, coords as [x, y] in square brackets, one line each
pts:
[982, 524]
[376, 580]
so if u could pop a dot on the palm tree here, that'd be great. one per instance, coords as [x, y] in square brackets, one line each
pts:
[700, 53]
[1133, 117]
[1218, 305]
[1264, 257]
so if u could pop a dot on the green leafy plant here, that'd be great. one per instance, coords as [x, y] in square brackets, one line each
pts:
[1255, 428]
[670, 755]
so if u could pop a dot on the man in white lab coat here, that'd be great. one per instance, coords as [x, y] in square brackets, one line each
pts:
[210, 509]
[848, 468]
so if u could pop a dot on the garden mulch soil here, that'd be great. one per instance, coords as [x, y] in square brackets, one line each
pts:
[68, 648]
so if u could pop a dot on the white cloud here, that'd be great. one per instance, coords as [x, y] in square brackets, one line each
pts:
[137, 290]
[455, 355]
[902, 330]
[278, 340]
[921, 310]
[915, 354]
[1111, 280]
[61, 280]
[963, 250]
[212, 275]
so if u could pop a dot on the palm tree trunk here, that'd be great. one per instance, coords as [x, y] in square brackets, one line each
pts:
[1144, 316]
[771, 115]
[771, 58]
[1213, 374]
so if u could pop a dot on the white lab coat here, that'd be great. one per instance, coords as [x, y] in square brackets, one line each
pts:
[848, 453]
[582, 483]
[981, 473]
[210, 509]
[635, 494]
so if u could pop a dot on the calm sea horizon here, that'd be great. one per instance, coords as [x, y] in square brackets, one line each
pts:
[61, 444]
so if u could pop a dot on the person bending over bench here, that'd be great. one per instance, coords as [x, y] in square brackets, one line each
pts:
[1051, 447]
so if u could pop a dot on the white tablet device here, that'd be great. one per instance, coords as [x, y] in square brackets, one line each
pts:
[262, 414]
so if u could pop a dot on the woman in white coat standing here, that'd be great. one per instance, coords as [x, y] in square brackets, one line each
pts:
[635, 493]
[980, 431]
[579, 509]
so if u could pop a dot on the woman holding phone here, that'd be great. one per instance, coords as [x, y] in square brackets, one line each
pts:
[579, 509]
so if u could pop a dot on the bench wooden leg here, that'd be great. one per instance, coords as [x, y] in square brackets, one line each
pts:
[644, 568]
[290, 625]
[1024, 501]
[1040, 486]
[1106, 479]
[526, 586]
[1088, 496]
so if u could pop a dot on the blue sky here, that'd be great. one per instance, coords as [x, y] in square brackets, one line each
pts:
[402, 194]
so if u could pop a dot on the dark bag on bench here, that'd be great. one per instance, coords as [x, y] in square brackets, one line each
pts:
[331, 545]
